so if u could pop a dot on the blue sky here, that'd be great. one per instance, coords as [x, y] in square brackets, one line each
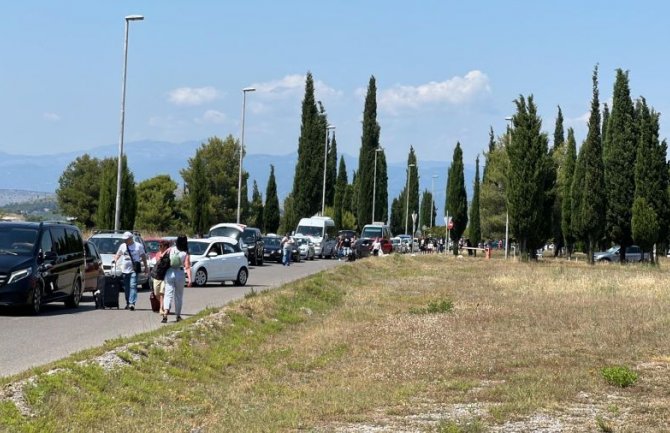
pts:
[445, 70]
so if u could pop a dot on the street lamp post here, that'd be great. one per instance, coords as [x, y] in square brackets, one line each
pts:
[509, 132]
[407, 194]
[325, 166]
[432, 199]
[239, 177]
[374, 184]
[117, 211]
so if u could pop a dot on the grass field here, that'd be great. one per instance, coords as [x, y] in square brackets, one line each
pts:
[392, 344]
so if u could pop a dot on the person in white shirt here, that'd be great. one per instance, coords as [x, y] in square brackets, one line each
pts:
[175, 278]
[133, 256]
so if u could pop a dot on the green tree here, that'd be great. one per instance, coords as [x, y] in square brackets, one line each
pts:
[271, 215]
[566, 176]
[606, 118]
[530, 179]
[397, 222]
[340, 192]
[156, 203]
[593, 200]
[457, 200]
[308, 178]
[381, 192]
[331, 172]
[256, 208]
[289, 219]
[107, 198]
[199, 197]
[491, 148]
[79, 189]
[369, 144]
[475, 227]
[559, 136]
[427, 213]
[558, 156]
[644, 224]
[619, 159]
[493, 205]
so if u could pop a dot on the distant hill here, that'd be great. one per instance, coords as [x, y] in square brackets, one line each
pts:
[25, 175]
[15, 196]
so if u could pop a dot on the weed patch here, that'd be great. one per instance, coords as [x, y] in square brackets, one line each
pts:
[620, 376]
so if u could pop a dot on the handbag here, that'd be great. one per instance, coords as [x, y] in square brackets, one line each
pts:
[137, 266]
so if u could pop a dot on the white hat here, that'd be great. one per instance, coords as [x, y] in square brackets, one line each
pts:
[127, 235]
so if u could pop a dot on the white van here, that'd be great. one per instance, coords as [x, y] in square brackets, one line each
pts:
[321, 231]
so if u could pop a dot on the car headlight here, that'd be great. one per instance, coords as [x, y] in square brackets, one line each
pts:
[19, 275]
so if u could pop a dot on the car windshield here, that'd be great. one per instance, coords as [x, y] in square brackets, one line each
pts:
[17, 241]
[302, 241]
[372, 232]
[107, 245]
[613, 250]
[271, 242]
[197, 248]
[152, 246]
[230, 232]
[313, 231]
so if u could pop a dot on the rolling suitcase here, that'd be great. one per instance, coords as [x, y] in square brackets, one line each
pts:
[155, 302]
[110, 293]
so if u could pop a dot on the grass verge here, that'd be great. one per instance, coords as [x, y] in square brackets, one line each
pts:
[431, 342]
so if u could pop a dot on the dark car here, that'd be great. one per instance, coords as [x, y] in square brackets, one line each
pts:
[273, 249]
[94, 275]
[253, 239]
[39, 263]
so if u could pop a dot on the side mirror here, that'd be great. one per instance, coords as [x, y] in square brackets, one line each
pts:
[50, 255]
[212, 254]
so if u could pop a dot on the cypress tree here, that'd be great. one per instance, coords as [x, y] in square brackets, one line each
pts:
[559, 137]
[619, 159]
[577, 198]
[308, 178]
[340, 192]
[369, 143]
[491, 148]
[256, 208]
[397, 221]
[606, 118]
[412, 181]
[199, 197]
[593, 203]
[427, 212]
[128, 197]
[104, 217]
[566, 175]
[644, 225]
[457, 200]
[271, 209]
[530, 179]
[381, 192]
[331, 171]
[493, 205]
[475, 230]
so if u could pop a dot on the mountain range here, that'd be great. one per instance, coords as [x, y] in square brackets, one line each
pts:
[146, 159]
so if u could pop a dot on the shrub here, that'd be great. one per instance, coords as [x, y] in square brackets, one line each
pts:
[620, 376]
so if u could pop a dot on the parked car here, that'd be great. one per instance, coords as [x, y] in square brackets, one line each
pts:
[306, 247]
[218, 259]
[39, 263]
[633, 254]
[152, 248]
[381, 231]
[273, 250]
[94, 275]
[399, 246]
[108, 243]
[321, 231]
[253, 239]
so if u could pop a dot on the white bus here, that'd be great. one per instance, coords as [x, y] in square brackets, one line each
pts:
[321, 232]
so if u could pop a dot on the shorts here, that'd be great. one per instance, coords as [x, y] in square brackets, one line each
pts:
[159, 287]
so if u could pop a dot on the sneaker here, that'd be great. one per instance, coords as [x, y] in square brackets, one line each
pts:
[178, 319]
[132, 307]
[164, 319]
[126, 307]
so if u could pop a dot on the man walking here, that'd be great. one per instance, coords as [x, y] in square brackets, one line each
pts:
[133, 256]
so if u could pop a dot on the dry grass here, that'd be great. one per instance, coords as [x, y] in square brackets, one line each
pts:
[521, 350]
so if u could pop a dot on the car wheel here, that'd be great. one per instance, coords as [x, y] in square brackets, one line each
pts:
[242, 276]
[36, 302]
[73, 300]
[200, 278]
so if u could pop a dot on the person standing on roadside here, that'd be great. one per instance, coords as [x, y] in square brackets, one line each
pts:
[159, 280]
[133, 257]
[286, 244]
[175, 278]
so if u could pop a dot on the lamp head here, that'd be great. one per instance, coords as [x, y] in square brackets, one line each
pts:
[330, 127]
[134, 18]
[249, 89]
[508, 118]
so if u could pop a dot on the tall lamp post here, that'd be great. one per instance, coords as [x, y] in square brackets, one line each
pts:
[239, 177]
[407, 201]
[117, 211]
[374, 184]
[325, 166]
[432, 199]
[509, 132]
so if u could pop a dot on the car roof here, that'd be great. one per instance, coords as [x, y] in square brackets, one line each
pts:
[240, 227]
[214, 239]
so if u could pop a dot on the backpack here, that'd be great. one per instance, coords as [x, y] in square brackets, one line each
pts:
[161, 268]
[175, 259]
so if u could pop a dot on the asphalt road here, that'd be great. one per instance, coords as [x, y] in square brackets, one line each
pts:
[29, 341]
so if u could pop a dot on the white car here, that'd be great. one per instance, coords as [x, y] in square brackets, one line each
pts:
[306, 247]
[219, 259]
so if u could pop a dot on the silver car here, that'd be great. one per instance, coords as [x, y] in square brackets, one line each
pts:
[633, 254]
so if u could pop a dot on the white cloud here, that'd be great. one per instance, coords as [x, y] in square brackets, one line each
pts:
[192, 95]
[582, 120]
[52, 117]
[212, 116]
[456, 91]
[292, 85]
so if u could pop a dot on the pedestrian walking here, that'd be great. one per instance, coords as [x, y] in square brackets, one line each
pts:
[133, 256]
[176, 277]
[158, 274]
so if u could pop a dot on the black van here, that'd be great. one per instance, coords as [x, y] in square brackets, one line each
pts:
[39, 263]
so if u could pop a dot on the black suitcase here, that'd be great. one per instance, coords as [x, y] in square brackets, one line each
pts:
[110, 293]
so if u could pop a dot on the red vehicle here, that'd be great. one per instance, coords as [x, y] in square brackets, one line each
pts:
[94, 275]
[152, 246]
